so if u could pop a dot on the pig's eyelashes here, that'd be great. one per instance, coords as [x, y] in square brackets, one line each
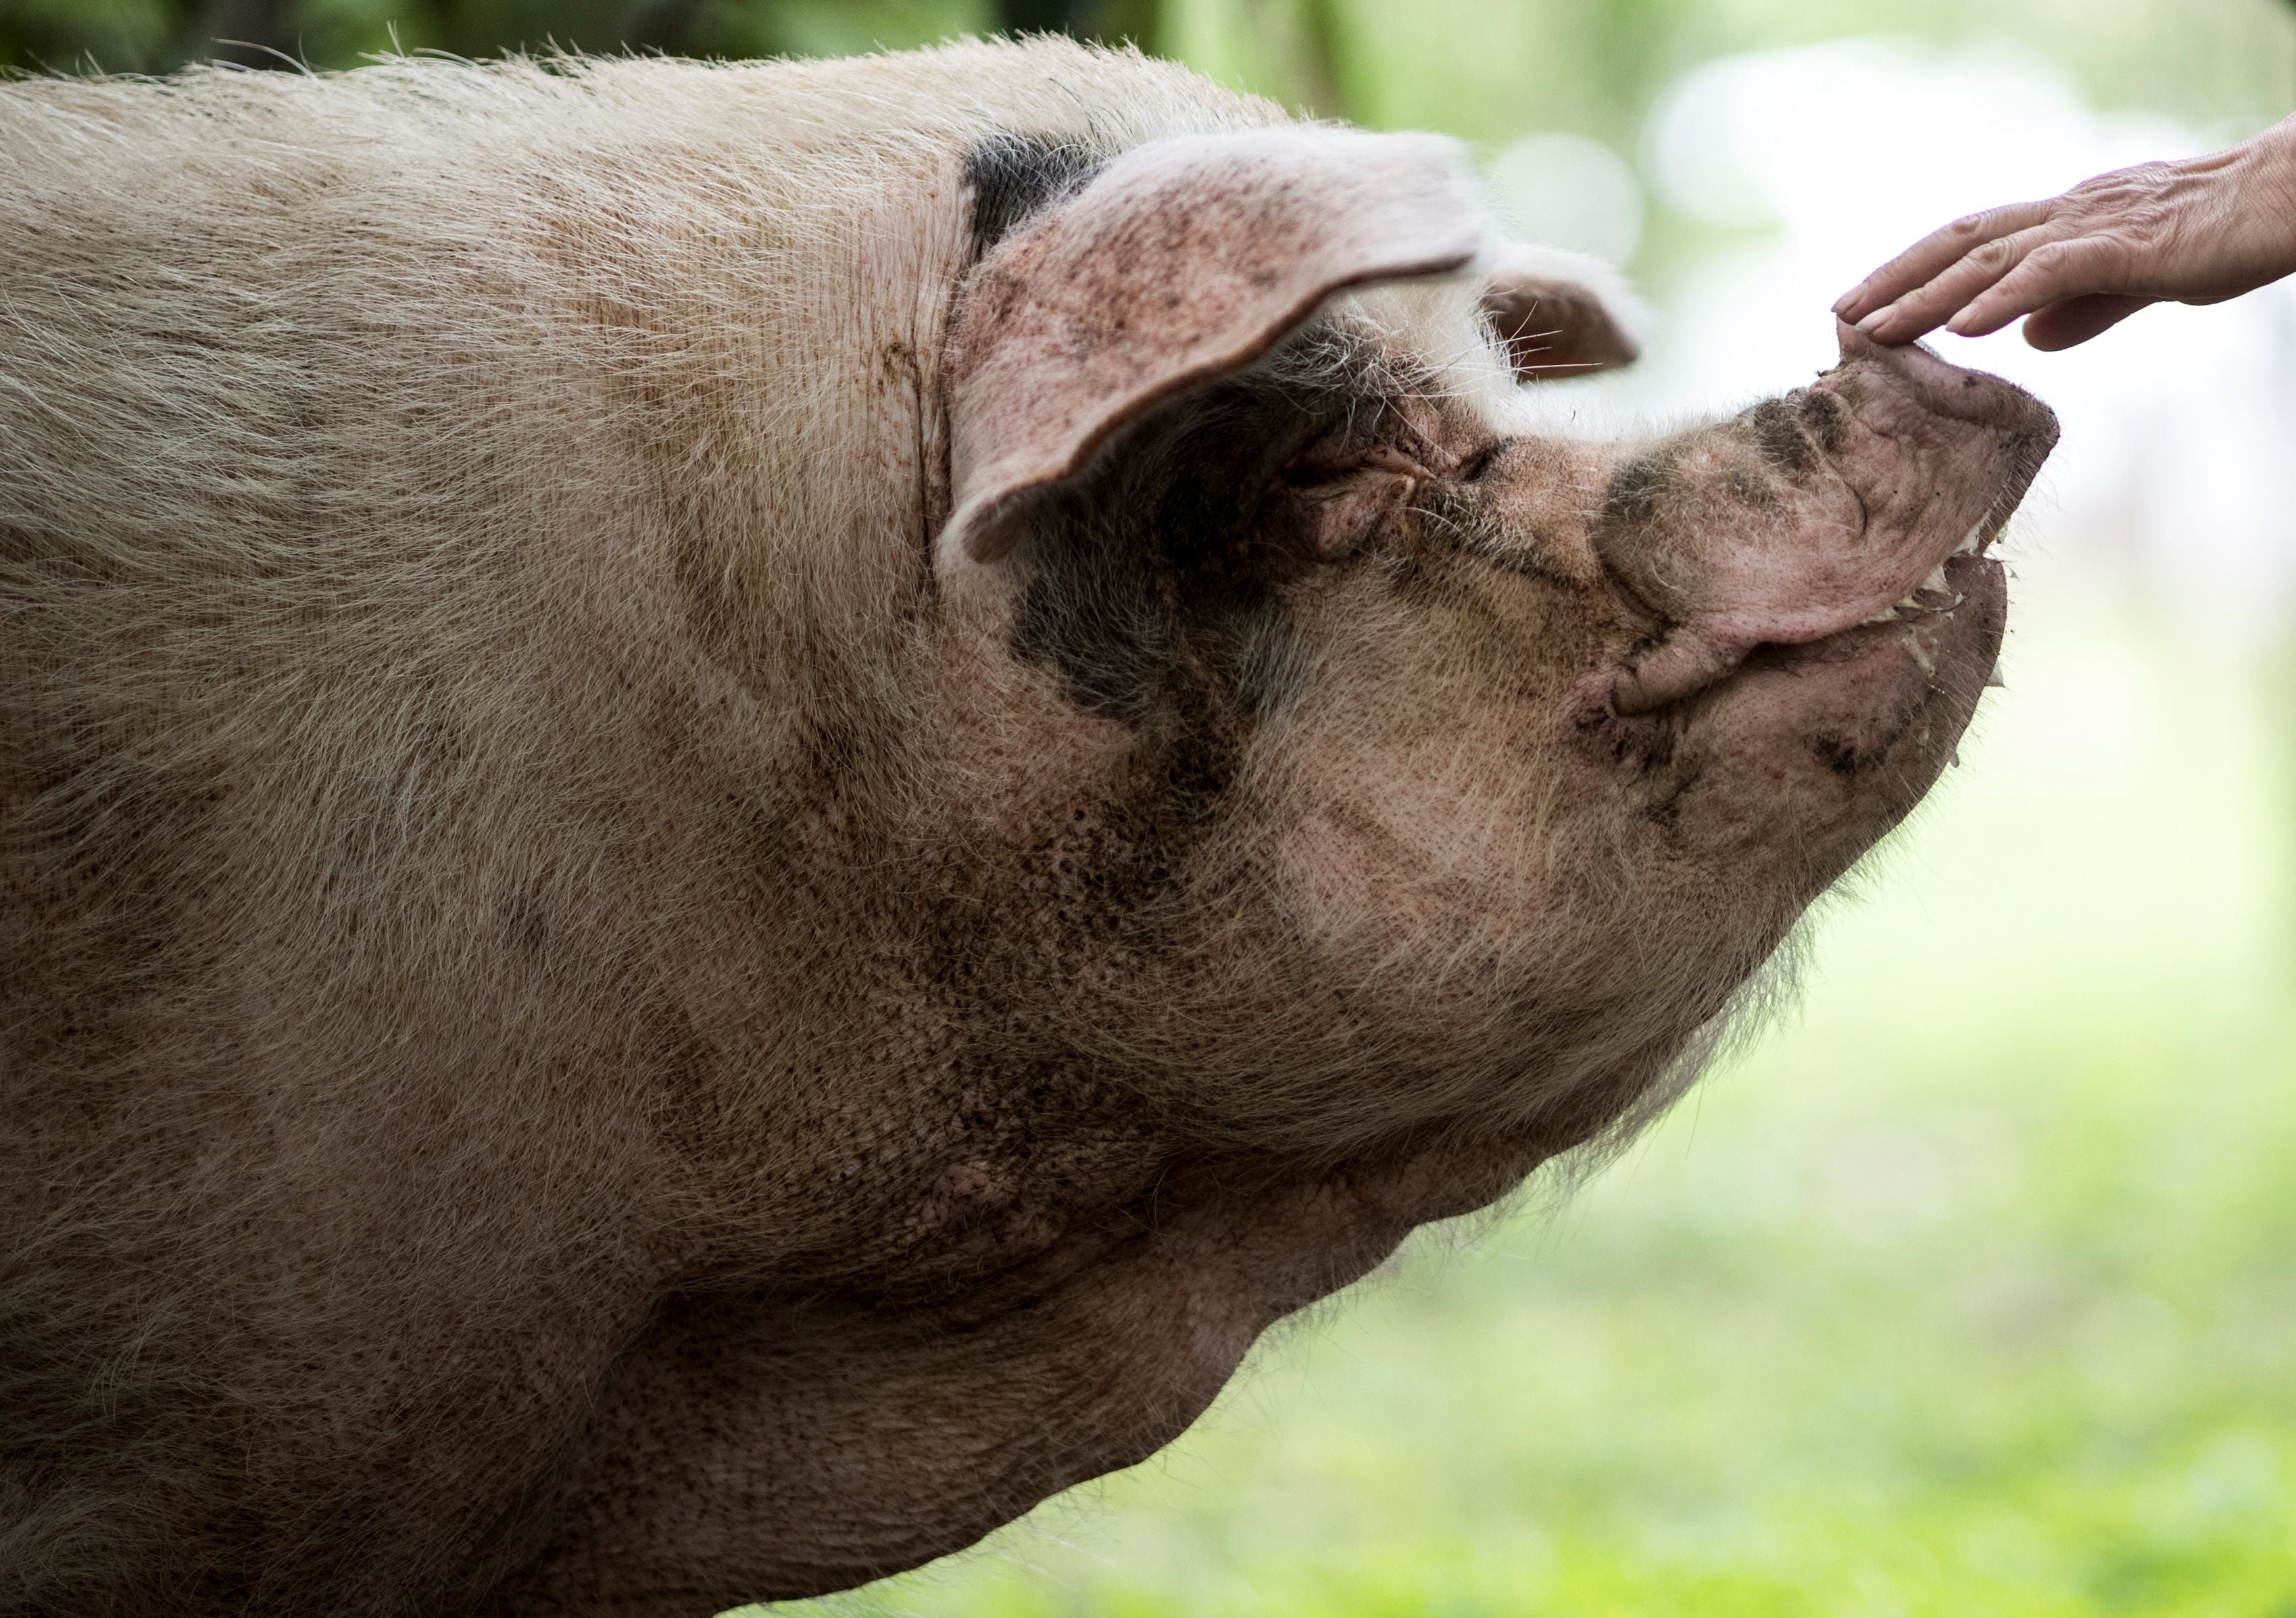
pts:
[1386, 457]
[1319, 471]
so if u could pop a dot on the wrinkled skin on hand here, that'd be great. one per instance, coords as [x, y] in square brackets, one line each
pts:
[753, 844]
[2199, 230]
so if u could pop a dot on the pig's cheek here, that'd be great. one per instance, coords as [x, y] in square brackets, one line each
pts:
[1636, 760]
[1006, 751]
[1358, 873]
[1730, 804]
[1339, 877]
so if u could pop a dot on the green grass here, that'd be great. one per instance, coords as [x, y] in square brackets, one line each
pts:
[1970, 1290]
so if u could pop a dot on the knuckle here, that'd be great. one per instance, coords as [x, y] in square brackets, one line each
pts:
[1994, 255]
[2110, 254]
[2129, 195]
[2142, 225]
[2141, 179]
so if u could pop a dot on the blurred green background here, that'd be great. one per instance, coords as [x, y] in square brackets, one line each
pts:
[1970, 1288]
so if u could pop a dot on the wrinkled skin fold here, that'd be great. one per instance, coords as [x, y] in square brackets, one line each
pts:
[739, 808]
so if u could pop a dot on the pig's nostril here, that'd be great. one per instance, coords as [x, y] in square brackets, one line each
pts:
[1822, 414]
[1945, 389]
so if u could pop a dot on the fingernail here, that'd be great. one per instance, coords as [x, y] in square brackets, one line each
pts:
[1846, 299]
[1877, 317]
[1960, 323]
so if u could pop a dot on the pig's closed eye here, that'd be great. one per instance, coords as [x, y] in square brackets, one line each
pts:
[1352, 464]
[1480, 463]
[1339, 508]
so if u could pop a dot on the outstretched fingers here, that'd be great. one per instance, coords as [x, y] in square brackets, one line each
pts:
[2198, 230]
[2045, 272]
[2063, 264]
[1974, 277]
[1932, 256]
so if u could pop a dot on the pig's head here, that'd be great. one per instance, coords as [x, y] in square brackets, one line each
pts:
[1333, 795]
[1358, 760]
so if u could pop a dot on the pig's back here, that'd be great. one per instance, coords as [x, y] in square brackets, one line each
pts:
[394, 438]
[310, 373]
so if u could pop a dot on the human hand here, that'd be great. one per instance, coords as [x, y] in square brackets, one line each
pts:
[2197, 231]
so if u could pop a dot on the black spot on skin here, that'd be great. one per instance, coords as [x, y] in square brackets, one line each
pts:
[1824, 419]
[1154, 580]
[1105, 631]
[1776, 427]
[1843, 759]
[1012, 177]
[1637, 487]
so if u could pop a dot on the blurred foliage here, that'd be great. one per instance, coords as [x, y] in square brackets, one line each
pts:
[1489, 69]
[152, 36]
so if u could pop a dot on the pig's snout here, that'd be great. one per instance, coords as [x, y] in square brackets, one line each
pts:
[1838, 506]
[1941, 388]
[1961, 436]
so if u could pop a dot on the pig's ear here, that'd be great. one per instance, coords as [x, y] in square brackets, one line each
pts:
[1183, 261]
[1562, 313]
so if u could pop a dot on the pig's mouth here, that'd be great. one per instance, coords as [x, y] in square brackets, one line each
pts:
[1873, 712]
[1931, 642]
[1915, 621]
[1856, 622]
[1696, 661]
[1951, 616]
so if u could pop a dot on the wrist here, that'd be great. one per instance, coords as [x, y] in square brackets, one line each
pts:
[2262, 202]
[2265, 162]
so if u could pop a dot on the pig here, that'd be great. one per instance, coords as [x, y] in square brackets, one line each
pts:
[741, 806]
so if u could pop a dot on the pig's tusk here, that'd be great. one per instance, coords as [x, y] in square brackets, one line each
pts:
[1994, 681]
